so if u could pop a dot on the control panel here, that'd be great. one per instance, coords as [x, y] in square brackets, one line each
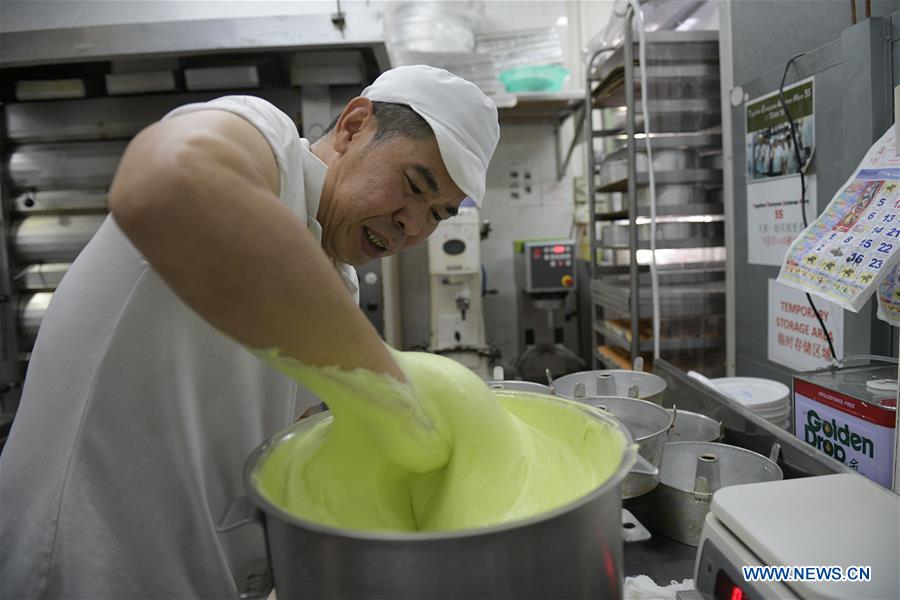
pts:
[549, 266]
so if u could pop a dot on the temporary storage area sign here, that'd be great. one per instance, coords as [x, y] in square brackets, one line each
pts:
[795, 338]
[773, 172]
[849, 430]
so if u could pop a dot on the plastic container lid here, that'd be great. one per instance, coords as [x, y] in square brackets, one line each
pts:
[780, 408]
[882, 385]
[776, 415]
[537, 78]
[755, 393]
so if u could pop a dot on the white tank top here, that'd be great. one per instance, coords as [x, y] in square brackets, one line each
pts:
[136, 420]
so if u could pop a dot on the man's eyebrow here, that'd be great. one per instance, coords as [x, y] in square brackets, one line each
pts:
[426, 173]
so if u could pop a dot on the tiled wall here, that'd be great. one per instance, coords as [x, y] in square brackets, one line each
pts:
[545, 211]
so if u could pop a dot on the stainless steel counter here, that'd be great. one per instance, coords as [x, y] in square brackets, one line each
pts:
[665, 560]
[743, 427]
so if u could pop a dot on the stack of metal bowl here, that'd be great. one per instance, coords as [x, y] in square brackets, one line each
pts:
[695, 427]
[649, 425]
[613, 382]
[690, 474]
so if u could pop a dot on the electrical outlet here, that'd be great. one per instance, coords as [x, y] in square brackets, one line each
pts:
[521, 183]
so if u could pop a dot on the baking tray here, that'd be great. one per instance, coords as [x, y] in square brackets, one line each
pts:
[664, 47]
[76, 165]
[711, 138]
[609, 260]
[60, 201]
[41, 277]
[676, 300]
[30, 313]
[685, 234]
[666, 116]
[684, 199]
[614, 177]
[697, 80]
[619, 334]
[53, 238]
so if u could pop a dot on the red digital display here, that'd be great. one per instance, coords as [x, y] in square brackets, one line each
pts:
[559, 249]
[537, 252]
[726, 589]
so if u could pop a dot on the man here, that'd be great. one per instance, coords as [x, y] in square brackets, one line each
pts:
[778, 157]
[142, 401]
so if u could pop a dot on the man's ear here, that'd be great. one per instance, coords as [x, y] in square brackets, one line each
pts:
[356, 119]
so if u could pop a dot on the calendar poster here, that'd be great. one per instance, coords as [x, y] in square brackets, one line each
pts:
[889, 298]
[851, 248]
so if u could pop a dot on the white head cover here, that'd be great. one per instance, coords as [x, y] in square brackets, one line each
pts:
[463, 119]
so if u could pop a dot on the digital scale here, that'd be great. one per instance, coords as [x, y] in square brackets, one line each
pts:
[841, 520]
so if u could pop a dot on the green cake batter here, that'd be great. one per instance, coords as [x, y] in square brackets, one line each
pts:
[442, 452]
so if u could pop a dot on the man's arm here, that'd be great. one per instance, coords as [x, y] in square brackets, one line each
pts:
[197, 194]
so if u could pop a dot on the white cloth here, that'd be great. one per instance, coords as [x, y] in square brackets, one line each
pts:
[641, 587]
[137, 418]
[463, 119]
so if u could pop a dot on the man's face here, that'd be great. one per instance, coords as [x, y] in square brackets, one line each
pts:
[383, 196]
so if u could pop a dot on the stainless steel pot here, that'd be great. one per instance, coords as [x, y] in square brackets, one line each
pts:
[694, 427]
[633, 384]
[515, 385]
[572, 551]
[649, 425]
[520, 386]
[690, 474]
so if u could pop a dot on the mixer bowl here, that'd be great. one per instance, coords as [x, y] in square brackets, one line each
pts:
[572, 551]
[649, 425]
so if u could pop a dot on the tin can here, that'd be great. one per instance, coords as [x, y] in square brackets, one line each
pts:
[838, 412]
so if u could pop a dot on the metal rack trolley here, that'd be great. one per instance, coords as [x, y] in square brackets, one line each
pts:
[683, 98]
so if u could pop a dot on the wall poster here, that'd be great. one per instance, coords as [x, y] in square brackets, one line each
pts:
[773, 172]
